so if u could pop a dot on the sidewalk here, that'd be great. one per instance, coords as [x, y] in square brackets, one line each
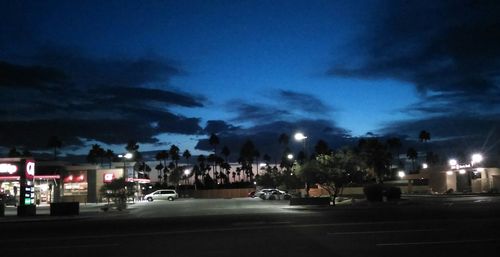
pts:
[87, 211]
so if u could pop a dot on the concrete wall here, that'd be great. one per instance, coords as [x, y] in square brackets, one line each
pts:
[222, 193]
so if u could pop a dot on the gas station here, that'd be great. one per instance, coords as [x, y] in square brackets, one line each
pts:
[17, 182]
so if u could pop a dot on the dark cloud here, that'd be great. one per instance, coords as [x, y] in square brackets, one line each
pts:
[256, 112]
[86, 71]
[439, 46]
[218, 126]
[34, 76]
[460, 131]
[135, 94]
[265, 136]
[77, 97]
[306, 102]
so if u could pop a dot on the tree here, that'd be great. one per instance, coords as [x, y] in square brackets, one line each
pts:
[96, 154]
[226, 152]
[394, 146]
[186, 155]
[162, 156]
[424, 136]
[133, 148]
[247, 154]
[412, 155]
[375, 156]
[174, 154]
[214, 141]
[335, 170]
[13, 152]
[54, 143]
[321, 147]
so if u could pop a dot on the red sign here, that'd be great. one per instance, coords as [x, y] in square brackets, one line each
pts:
[7, 168]
[108, 177]
[30, 169]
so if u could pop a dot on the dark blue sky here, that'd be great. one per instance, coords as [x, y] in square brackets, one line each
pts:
[163, 72]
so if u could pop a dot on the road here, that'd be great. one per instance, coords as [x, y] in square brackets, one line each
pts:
[251, 227]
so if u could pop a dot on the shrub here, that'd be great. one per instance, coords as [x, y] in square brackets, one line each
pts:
[374, 192]
[392, 193]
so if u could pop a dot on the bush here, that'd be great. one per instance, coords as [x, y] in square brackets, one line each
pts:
[392, 193]
[374, 192]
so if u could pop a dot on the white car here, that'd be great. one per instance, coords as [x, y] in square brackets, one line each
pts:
[163, 194]
[272, 194]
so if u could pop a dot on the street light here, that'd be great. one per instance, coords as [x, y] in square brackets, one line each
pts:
[452, 162]
[299, 136]
[125, 157]
[289, 156]
[186, 174]
[476, 158]
[401, 174]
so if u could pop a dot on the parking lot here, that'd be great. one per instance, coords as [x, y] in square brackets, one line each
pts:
[201, 207]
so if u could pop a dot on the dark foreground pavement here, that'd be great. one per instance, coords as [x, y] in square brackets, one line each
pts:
[414, 228]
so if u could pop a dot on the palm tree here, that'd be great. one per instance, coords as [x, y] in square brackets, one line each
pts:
[96, 154]
[13, 152]
[133, 148]
[394, 145]
[214, 141]
[54, 143]
[375, 156]
[424, 136]
[284, 139]
[247, 154]
[412, 155]
[174, 154]
[186, 155]
[226, 152]
[321, 147]
[163, 156]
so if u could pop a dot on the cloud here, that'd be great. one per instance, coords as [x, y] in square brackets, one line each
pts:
[218, 126]
[74, 96]
[246, 112]
[440, 47]
[459, 131]
[302, 101]
[34, 76]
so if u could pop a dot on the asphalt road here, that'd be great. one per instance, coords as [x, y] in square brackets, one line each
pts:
[250, 227]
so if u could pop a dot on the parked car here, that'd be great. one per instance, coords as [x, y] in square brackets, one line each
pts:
[163, 194]
[272, 194]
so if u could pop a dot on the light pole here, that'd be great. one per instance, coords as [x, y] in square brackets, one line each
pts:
[125, 158]
[299, 136]
[186, 174]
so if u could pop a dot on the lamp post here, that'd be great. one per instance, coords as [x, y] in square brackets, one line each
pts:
[300, 137]
[125, 158]
[186, 174]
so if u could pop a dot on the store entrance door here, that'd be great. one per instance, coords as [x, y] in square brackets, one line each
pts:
[464, 183]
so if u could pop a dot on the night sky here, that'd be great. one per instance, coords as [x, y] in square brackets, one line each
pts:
[172, 72]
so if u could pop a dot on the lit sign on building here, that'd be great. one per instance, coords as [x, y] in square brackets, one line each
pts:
[8, 168]
[108, 177]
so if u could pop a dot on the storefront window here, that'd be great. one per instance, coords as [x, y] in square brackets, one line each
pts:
[75, 184]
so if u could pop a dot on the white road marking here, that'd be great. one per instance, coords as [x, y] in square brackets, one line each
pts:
[69, 246]
[442, 242]
[383, 231]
